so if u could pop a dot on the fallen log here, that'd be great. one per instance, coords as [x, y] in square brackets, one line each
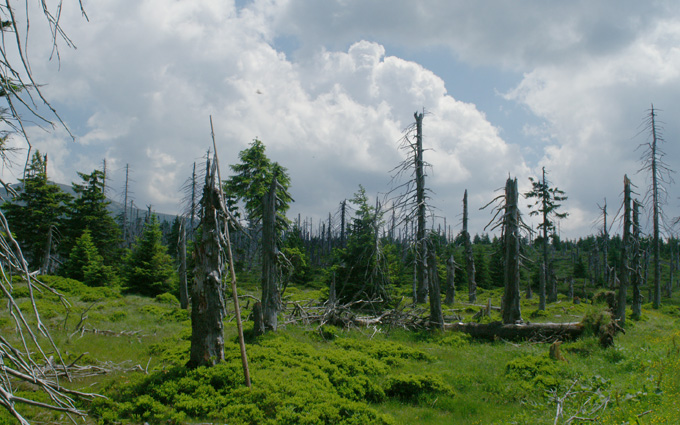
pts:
[520, 331]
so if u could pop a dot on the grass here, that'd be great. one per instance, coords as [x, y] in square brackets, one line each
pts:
[303, 374]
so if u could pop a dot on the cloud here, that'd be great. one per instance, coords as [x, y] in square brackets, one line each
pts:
[144, 80]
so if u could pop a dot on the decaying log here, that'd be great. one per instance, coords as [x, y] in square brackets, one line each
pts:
[533, 331]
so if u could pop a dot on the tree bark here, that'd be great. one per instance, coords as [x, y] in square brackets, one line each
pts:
[511, 296]
[543, 331]
[271, 299]
[207, 300]
[469, 258]
[450, 281]
[541, 288]
[436, 316]
[636, 279]
[183, 287]
[421, 242]
[625, 252]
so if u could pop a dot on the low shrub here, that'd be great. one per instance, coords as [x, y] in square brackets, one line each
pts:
[416, 388]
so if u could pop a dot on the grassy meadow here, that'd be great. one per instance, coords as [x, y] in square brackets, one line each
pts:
[132, 350]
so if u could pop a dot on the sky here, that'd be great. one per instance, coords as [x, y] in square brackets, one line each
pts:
[329, 87]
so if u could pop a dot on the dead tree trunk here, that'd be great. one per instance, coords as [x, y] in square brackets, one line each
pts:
[636, 278]
[421, 242]
[511, 237]
[541, 288]
[182, 248]
[207, 299]
[271, 299]
[450, 281]
[45, 269]
[625, 252]
[436, 316]
[469, 258]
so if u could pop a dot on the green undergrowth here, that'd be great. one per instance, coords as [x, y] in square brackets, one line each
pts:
[379, 375]
[295, 380]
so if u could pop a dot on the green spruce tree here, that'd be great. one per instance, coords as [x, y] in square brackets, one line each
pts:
[89, 211]
[36, 214]
[86, 265]
[148, 269]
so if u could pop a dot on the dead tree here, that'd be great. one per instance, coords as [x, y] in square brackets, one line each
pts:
[636, 276]
[625, 253]
[436, 316]
[656, 197]
[511, 240]
[469, 258]
[207, 298]
[413, 200]
[605, 243]
[450, 281]
[271, 298]
[182, 254]
[420, 203]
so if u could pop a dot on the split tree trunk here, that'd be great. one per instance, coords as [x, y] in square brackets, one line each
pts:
[636, 279]
[207, 299]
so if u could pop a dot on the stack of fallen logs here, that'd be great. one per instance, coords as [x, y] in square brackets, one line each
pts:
[350, 315]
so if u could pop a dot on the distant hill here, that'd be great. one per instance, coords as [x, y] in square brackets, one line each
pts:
[115, 207]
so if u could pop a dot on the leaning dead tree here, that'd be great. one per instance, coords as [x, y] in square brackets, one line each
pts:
[24, 359]
[29, 361]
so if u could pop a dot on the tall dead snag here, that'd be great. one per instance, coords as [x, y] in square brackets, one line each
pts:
[450, 281]
[420, 202]
[469, 258]
[636, 277]
[605, 243]
[511, 238]
[436, 316]
[625, 252]
[271, 298]
[182, 254]
[413, 200]
[207, 298]
[660, 176]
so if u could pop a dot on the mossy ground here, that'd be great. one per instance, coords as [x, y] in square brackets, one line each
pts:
[328, 375]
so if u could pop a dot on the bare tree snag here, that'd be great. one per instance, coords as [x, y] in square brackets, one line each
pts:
[541, 288]
[207, 298]
[636, 278]
[511, 238]
[450, 281]
[421, 243]
[436, 316]
[271, 299]
[469, 258]
[182, 254]
[625, 252]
